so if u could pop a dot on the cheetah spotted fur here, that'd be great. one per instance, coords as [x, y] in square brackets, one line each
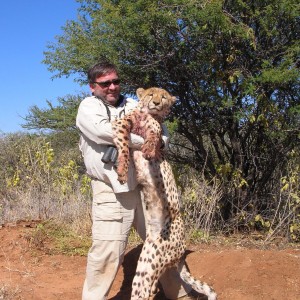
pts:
[164, 246]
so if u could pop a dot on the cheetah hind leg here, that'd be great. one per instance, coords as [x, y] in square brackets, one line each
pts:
[145, 281]
[147, 274]
[143, 287]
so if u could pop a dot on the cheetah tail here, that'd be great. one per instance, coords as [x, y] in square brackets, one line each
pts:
[197, 285]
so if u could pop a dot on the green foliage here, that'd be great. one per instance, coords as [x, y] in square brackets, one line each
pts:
[234, 67]
[60, 238]
[172, 126]
[232, 64]
[60, 118]
[198, 235]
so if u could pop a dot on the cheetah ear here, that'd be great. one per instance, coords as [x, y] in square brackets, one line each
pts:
[140, 92]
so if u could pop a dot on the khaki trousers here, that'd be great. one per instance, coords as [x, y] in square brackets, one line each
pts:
[113, 215]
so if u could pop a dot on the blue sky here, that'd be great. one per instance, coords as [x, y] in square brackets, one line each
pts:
[27, 26]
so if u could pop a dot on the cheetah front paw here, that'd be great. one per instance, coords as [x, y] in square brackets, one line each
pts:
[121, 168]
[122, 179]
[148, 151]
[122, 175]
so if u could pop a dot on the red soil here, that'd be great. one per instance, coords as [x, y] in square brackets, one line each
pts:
[235, 272]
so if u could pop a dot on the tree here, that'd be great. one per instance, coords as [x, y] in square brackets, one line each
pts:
[234, 66]
[59, 118]
[59, 122]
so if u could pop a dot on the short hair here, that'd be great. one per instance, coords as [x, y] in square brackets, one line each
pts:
[100, 69]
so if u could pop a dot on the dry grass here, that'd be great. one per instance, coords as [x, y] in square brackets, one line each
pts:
[8, 292]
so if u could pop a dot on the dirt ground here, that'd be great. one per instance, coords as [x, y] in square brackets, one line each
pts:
[236, 271]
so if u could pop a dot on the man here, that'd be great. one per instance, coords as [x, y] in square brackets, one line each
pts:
[115, 207]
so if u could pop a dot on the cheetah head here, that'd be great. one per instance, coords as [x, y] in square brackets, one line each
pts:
[155, 101]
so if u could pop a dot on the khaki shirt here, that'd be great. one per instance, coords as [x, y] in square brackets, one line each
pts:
[93, 120]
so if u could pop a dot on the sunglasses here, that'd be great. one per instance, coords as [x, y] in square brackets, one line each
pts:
[106, 84]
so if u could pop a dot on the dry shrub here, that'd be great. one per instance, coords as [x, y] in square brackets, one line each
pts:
[285, 218]
[40, 184]
[10, 293]
[200, 202]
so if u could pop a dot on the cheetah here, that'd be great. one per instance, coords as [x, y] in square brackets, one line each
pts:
[164, 246]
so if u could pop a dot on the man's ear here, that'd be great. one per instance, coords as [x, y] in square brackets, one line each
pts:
[139, 92]
[92, 86]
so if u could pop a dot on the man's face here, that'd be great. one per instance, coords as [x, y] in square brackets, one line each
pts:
[108, 88]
